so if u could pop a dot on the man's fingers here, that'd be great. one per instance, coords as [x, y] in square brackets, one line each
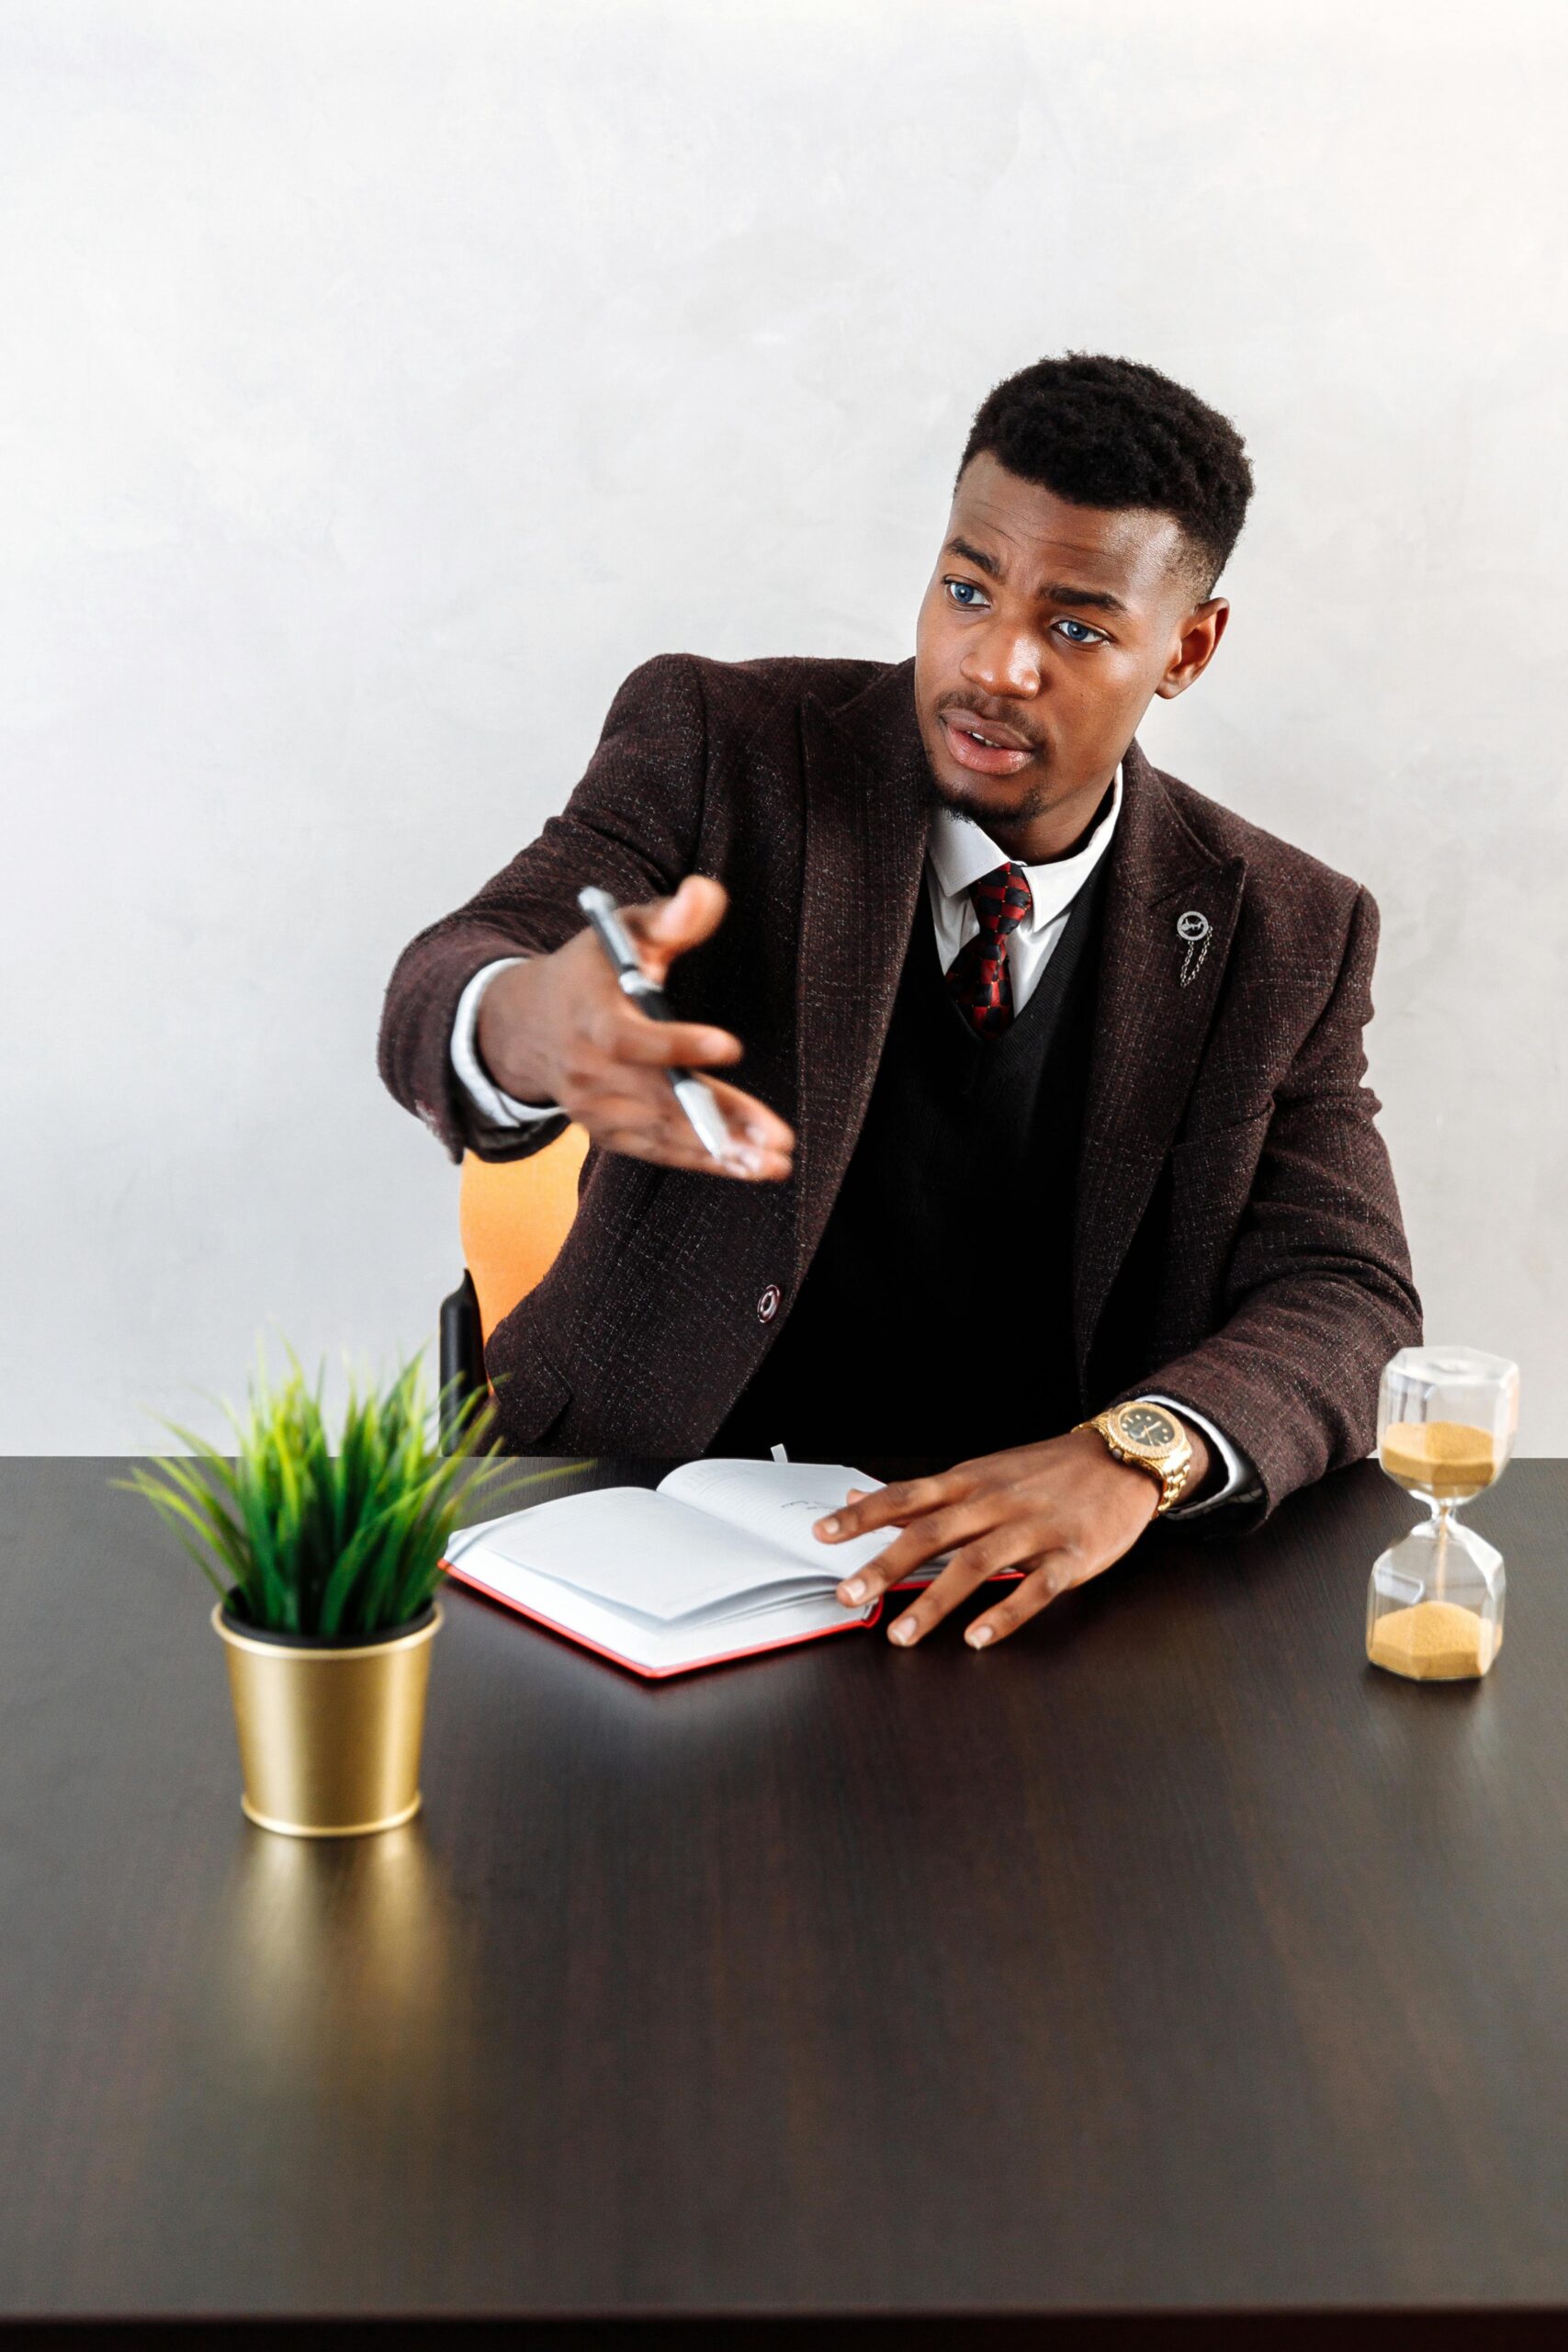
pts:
[635, 1043]
[1055, 1573]
[616, 1033]
[634, 1138]
[751, 1121]
[925, 1539]
[665, 928]
[1002, 1548]
[692, 912]
[892, 1505]
[625, 1125]
[630, 1036]
[643, 1119]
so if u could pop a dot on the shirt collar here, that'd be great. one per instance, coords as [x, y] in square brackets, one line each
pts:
[960, 853]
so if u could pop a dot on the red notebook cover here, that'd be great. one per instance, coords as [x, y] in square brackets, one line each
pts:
[696, 1665]
[631, 1666]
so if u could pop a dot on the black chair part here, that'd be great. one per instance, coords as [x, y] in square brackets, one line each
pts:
[462, 1358]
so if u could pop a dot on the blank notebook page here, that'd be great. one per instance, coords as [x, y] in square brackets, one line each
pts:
[780, 1503]
[645, 1552]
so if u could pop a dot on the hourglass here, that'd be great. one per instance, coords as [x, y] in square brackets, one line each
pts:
[1445, 1423]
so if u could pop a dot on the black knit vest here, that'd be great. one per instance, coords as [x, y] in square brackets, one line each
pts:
[936, 1316]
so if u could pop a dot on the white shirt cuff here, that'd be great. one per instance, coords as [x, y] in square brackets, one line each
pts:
[496, 1109]
[1241, 1478]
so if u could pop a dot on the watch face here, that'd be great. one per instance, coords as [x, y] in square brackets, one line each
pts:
[1147, 1425]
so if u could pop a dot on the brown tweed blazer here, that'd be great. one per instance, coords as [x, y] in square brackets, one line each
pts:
[1237, 1240]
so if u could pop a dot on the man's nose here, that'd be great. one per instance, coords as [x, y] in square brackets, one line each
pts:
[1001, 662]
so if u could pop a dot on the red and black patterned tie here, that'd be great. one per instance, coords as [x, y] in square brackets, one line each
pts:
[978, 975]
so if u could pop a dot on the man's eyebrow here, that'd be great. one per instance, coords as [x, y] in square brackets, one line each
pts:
[1055, 591]
[976, 556]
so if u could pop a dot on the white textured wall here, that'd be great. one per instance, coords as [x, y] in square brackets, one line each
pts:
[381, 383]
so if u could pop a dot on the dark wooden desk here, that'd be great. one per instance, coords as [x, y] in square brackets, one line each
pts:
[1169, 1960]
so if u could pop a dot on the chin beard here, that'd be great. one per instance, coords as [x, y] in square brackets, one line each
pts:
[964, 801]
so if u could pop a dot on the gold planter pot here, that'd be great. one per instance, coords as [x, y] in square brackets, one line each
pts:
[330, 1735]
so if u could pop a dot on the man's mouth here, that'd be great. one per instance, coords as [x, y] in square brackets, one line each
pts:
[977, 743]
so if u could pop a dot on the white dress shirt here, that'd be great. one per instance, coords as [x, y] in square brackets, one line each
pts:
[957, 855]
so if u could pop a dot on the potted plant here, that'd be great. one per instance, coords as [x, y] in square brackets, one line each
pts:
[326, 1563]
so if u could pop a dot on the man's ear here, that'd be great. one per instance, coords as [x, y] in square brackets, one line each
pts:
[1201, 633]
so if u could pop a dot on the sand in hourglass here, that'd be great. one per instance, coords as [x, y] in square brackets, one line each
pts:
[1452, 1459]
[1436, 1641]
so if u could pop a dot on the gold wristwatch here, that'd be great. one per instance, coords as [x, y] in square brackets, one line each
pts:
[1149, 1435]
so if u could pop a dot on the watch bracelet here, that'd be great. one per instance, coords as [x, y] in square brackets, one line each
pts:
[1172, 1483]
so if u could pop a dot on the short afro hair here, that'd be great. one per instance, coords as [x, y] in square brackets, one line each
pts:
[1113, 433]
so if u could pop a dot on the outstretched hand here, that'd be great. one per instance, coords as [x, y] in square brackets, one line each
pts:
[559, 1029]
[1061, 1512]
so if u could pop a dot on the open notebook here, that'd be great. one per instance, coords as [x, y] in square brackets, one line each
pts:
[716, 1562]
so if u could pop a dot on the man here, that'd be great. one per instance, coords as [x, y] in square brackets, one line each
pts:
[1054, 1160]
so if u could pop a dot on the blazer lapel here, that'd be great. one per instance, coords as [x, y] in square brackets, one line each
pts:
[867, 815]
[1171, 910]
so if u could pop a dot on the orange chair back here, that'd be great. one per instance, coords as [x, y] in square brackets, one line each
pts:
[514, 1216]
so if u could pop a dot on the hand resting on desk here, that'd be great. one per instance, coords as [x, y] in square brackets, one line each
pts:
[1063, 1511]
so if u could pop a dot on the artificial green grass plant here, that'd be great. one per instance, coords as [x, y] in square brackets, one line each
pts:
[296, 1537]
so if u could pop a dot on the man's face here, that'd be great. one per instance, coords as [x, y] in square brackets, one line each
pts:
[1049, 628]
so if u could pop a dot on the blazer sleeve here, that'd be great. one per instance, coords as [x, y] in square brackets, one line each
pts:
[1318, 1294]
[632, 826]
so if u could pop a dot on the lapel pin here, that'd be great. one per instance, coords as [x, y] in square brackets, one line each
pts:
[1195, 929]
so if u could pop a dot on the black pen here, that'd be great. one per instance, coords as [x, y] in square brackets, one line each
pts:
[695, 1096]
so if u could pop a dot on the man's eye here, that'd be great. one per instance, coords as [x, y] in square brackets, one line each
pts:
[1079, 632]
[961, 592]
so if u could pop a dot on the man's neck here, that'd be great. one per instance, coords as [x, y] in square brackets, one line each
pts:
[1058, 833]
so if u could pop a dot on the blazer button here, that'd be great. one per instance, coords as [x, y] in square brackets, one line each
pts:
[768, 1304]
